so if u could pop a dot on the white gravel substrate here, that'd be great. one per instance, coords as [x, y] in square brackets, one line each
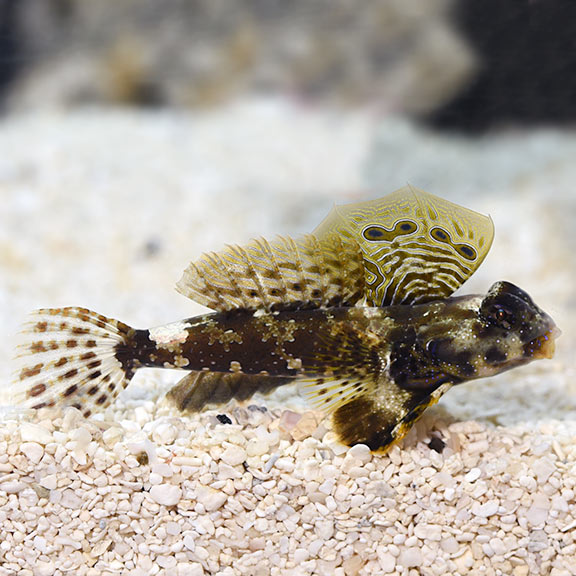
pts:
[105, 209]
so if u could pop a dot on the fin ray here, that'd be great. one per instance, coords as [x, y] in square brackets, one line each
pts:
[281, 274]
[67, 357]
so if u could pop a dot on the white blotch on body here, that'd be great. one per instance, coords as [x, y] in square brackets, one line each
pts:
[169, 335]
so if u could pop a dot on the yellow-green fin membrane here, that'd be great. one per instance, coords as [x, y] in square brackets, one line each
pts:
[283, 273]
[416, 247]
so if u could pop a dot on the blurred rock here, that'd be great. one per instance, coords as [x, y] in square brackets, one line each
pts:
[403, 55]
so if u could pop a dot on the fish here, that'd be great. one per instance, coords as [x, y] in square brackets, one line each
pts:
[360, 314]
[373, 370]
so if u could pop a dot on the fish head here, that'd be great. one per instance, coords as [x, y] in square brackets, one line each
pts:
[523, 330]
[484, 336]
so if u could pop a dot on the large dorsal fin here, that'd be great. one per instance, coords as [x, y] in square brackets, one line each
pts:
[282, 274]
[416, 247]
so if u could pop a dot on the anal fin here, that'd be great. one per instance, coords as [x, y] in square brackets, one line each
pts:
[198, 389]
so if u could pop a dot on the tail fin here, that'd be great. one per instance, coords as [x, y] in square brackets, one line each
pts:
[68, 357]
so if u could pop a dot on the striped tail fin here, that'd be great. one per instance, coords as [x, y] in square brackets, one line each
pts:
[71, 357]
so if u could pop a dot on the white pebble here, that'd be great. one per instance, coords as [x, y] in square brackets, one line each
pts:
[164, 433]
[173, 528]
[484, 510]
[81, 436]
[324, 529]
[360, 452]
[34, 433]
[42, 568]
[410, 557]
[528, 482]
[50, 481]
[498, 546]
[428, 532]
[70, 500]
[536, 515]
[40, 544]
[33, 451]
[257, 447]
[386, 560]
[543, 468]
[112, 435]
[301, 555]
[210, 498]
[233, 455]
[190, 569]
[166, 494]
[450, 545]
[12, 487]
[473, 475]
[315, 547]
[189, 542]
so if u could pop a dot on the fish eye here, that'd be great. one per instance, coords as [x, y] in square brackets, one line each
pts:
[500, 315]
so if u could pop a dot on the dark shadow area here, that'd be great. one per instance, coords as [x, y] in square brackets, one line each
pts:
[8, 44]
[528, 66]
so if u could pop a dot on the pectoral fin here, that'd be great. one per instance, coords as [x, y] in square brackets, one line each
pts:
[372, 412]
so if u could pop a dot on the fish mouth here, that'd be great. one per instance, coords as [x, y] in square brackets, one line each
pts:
[544, 346]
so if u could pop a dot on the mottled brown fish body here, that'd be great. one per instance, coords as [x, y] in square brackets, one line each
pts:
[294, 343]
[416, 346]
[373, 369]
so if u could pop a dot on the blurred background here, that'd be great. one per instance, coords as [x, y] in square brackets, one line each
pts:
[136, 134]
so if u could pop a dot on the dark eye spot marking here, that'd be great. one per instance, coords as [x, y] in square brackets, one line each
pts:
[373, 233]
[440, 235]
[467, 251]
[464, 250]
[495, 356]
[376, 233]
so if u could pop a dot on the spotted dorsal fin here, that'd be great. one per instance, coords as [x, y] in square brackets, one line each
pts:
[282, 274]
[416, 247]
